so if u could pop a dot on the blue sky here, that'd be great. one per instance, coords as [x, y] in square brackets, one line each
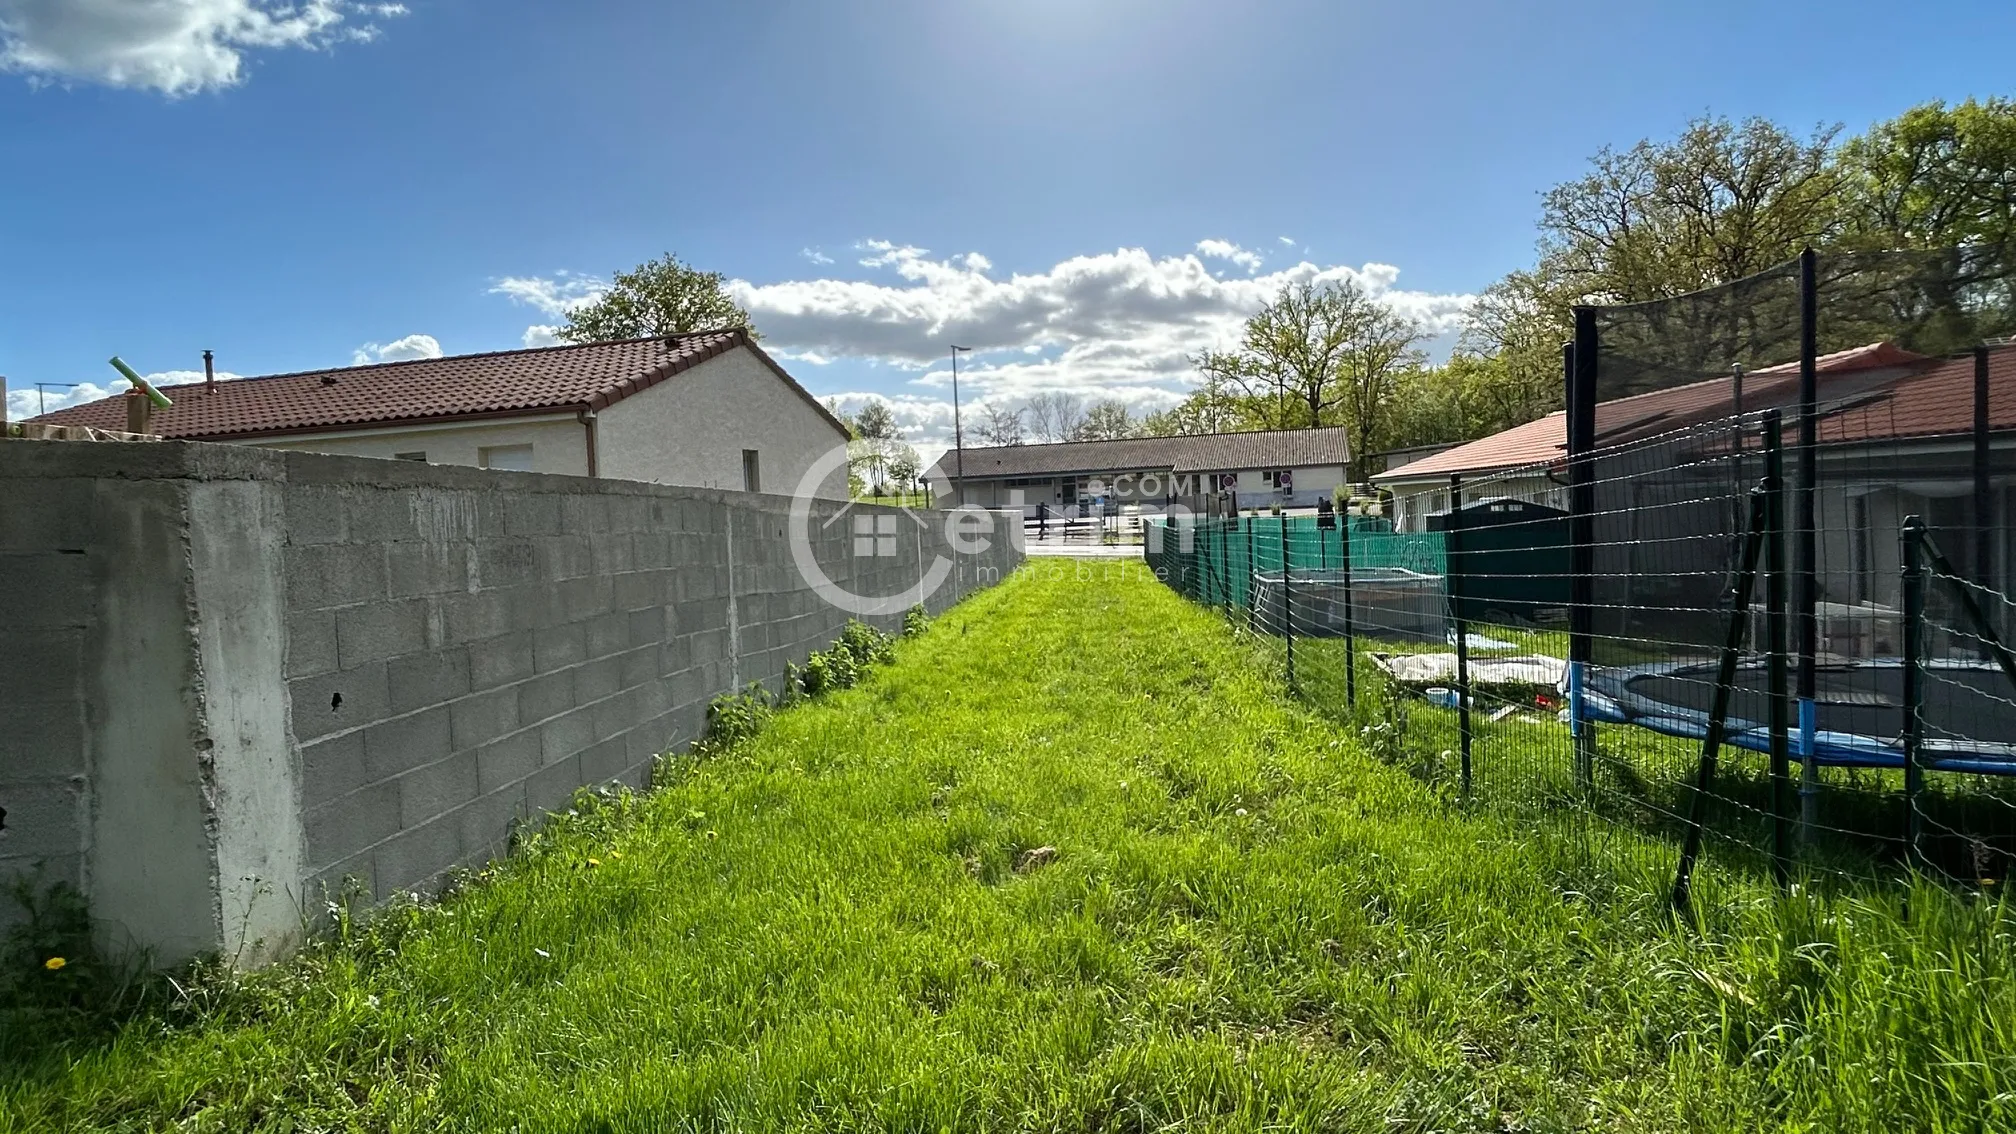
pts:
[1087, 190]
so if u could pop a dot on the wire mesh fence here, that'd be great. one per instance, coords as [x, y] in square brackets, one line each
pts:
[1754, 622]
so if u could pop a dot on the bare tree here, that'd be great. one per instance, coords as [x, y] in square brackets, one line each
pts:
[1054, 416]
[999, 425]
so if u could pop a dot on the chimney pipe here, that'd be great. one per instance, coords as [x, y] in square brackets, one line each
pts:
[209, 374]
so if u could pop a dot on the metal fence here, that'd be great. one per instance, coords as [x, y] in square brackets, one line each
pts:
[1637, 663]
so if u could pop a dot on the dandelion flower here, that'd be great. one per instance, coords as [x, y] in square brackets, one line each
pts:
[54, 963]
[594, 862]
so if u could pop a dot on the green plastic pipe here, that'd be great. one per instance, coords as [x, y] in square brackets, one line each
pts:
[153, 395]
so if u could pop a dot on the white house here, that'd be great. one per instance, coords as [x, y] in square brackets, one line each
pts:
[1291, 467]
[708, 409]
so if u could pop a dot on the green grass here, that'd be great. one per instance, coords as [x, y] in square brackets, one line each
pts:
[1247, 924]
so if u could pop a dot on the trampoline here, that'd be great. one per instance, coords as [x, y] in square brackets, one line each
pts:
[1968, 707]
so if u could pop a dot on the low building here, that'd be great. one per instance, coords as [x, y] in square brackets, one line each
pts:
[1522, 463]
[705, 410]
[1289, 467]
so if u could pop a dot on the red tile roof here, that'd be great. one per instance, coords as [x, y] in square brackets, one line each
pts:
[509, 383]
[1643, 415]
[1933, 403]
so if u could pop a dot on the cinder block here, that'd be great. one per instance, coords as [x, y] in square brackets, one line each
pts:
[564, 557]
[635, 590]
[616, 715]
[651, 550]
[475, 617]
[433, 678]
[597, 679]
[509, 562]
[43, 740]
[417, 858]
[488, 822]
[584, 515]
[499, 661]
[558, 646]
[551, 787]
[508, 760]
[311, 643]
[426, 793]
[605, 761]
[379, 630]
[640, 666]
[332, 767]
[315, 515]
[583, 599]
[44, 820]
[531, 513]
[565, 737]
[349, 824]
[646, 627]
[380, 515]
[547, 695]
[426, 568]
[333, 574]
[607, 634]
[613, 553]
[401, 744]
[47, 590]
[482, 717]
[331, 702]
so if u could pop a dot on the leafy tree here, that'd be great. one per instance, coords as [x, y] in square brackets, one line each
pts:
[1935, 177]
[1054, 416]
[1722, 201]
[1107, 420]
[659, 297]
[1213, 407]
[903, 467]
[999, 425]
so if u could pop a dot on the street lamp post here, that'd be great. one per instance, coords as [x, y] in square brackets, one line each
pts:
[958, 438]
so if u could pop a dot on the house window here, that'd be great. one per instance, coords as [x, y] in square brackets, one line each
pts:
[508, 458]
[1283, 479]
[419, 456]
[752, 471]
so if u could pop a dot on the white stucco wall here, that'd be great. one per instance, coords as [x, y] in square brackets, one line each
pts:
[559, 445]
[1415, 501]
[692, 428]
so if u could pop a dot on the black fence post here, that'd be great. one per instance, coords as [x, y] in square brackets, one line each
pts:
[1579, 360]
[1775, 616]
[1984, 541]
[1453, 576]
[1807, 599]
[1912, 732]
[1288, 603]
[1740, 589]
[1350, 608]
[1252, 565]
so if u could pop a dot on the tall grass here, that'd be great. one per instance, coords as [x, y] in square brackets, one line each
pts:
[1236, 921]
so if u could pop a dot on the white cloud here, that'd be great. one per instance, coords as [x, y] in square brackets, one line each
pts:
[1226, 250]
[553, 297]
[1288, 240]
[1121, 324]
[23, 403]
[556, 296]
[815, 256]
[177, 47]
[398, 350]
[1114, 321]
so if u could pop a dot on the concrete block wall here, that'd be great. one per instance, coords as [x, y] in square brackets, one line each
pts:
[239, 677]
